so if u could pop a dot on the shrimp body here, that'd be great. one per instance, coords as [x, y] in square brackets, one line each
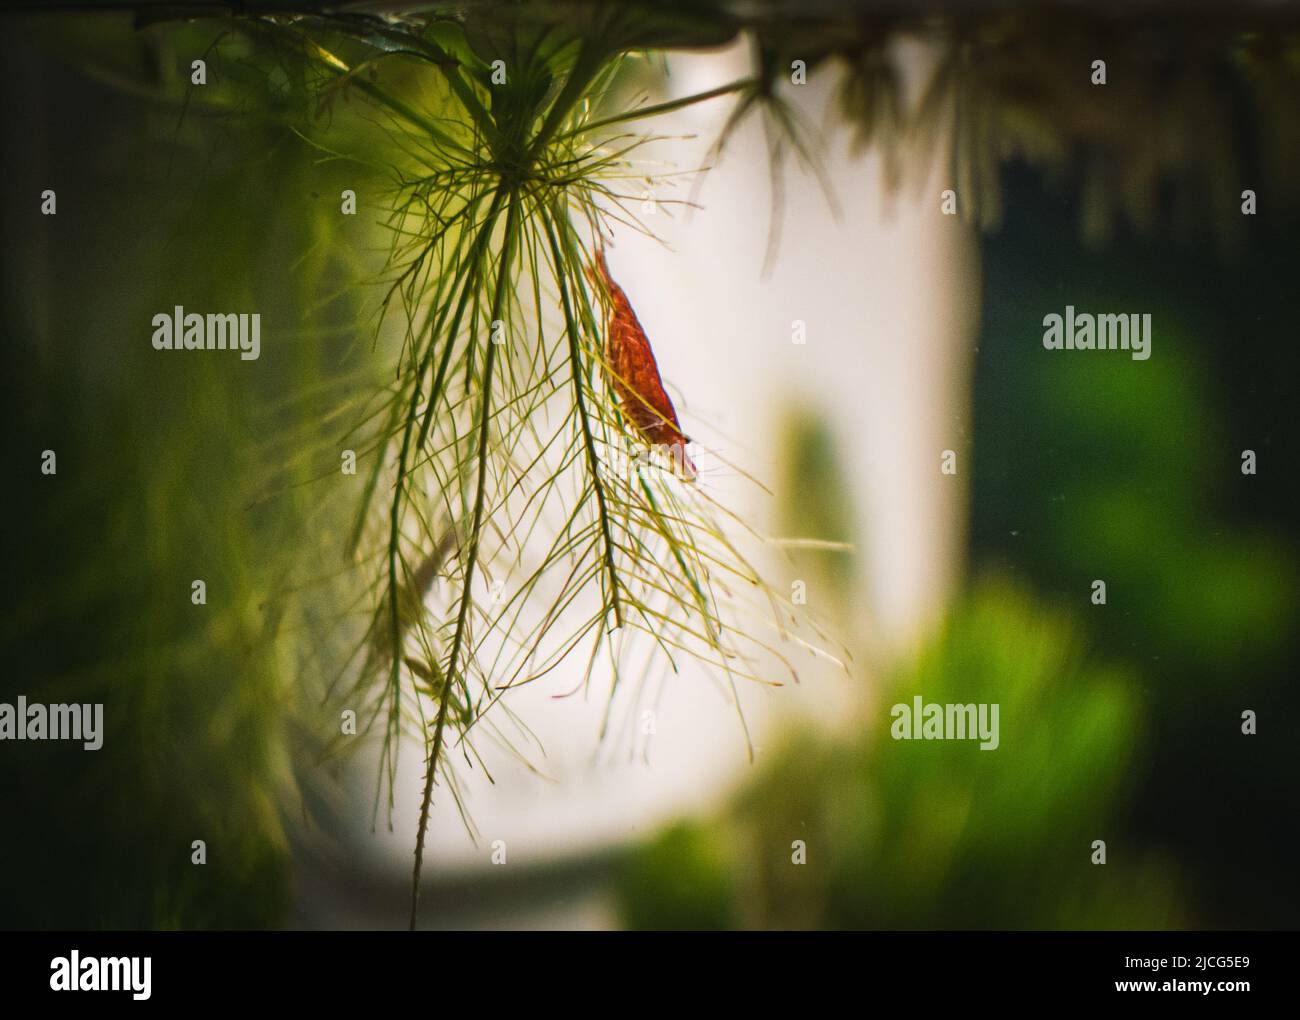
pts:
[635, 375]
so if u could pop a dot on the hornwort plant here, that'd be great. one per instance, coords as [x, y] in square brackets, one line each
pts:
[523, 378]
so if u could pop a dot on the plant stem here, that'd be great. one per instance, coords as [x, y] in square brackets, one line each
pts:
[485, 418]
[575, 371]
[394, 524]
[660, 108]
[585, 68]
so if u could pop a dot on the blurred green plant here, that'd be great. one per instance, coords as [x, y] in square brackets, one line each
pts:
[160, 458]
[683, 881]
[939, 834]
[813, 499]
[1104, 468]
